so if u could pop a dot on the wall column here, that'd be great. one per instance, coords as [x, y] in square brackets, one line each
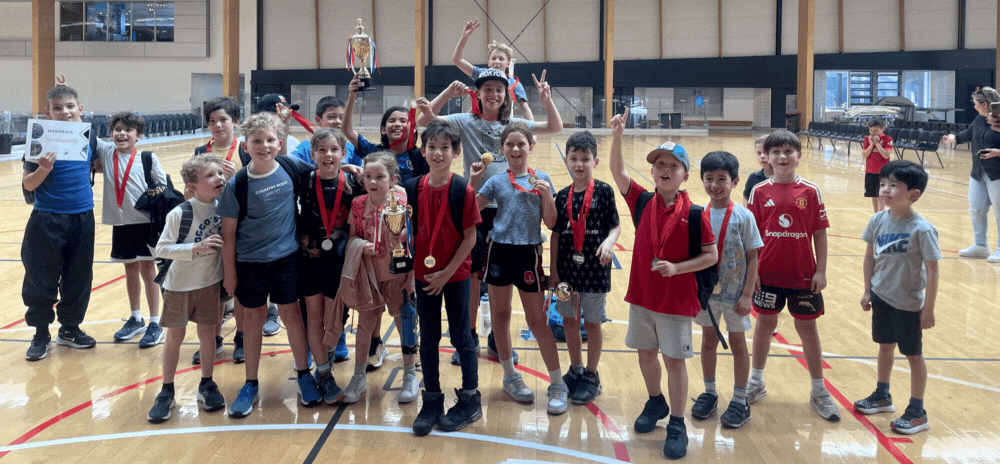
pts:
[231, 49]
[43, 52]
[805, 68]
[609, 61]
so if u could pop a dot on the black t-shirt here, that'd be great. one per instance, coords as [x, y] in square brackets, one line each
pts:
[752, 181]
[591, 276]
[310, 227]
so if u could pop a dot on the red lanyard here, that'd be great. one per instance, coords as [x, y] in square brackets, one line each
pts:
[302, 121]
[522, 189]
[411, 131]
[425, 205]
[681, 205]
[475, 106]
[722, 231]
[329, 215]
[120, 187]
[579, 226]
[232, 149]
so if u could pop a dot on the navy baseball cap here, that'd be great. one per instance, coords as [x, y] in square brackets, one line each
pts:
[270, 101]
[491, 74]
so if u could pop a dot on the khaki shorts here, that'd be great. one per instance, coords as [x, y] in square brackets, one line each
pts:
[649, 330]
[200, 306]
[727, 312]
[591, 307]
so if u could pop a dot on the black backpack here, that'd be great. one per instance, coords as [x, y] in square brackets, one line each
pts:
[187, 217]
[240, 188]
[157, 200]
[456, 196]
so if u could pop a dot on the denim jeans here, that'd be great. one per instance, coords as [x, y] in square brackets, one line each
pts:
[456, 303]
[982, 194]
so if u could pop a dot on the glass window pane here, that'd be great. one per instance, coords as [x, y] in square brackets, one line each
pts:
[164, 22]
[119, 21]
[71, 21]
[143, 21]
[95, 28]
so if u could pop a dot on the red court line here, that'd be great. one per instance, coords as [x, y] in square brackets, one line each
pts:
[53, 421]
[116, 279]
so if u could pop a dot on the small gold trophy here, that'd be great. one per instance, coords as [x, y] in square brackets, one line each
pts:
[396, 218]
[361, 48]
[564, 291]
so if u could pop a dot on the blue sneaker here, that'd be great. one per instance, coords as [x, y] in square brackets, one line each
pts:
[154, 336]
[245, 399]
[131, 328]
[332, 393]
[308, 391]
[341, 354]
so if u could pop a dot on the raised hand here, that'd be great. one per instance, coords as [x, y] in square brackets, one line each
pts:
[355, 84]
[457, 89]
[618, 123]
[544, 91]
[470, 27]
[46, 161]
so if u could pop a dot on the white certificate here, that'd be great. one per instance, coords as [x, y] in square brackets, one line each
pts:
[70, 141]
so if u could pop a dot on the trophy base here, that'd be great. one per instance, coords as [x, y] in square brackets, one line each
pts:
[401, 265]
[366, 85]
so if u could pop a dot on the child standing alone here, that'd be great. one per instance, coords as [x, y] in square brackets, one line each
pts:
[875, 149]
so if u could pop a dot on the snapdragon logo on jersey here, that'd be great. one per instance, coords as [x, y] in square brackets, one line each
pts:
[785, 221]
[891, 243]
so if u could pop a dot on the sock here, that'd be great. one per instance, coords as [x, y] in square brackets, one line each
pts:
[42, 331]
[323, 368]
[255, 383]
[137, 315]
[508, 367]
[555, 377]
[882, 388]
[204, 380]
[757, 374]
[303, 372]
[710, 385]
[818, 386]
[577, 369]
[168, 387]
[917, 404]
[677, 420]
[154, 320]
[410, 368]
[740, 392]
[360, 368]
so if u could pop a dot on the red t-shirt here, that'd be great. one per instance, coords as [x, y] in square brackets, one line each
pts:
[448, 239]
[677, 295]
[787, 216]
[875, 161]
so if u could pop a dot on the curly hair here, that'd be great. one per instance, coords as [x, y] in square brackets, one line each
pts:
[194, 165]
[260, 122]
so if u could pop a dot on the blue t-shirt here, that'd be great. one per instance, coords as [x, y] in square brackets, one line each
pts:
[741, 235]
[519, 214]
[268, 232]
[407, 170]
[303, 151]
[67, 188]
[518, 89]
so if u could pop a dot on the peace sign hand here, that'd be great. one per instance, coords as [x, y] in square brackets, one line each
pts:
[544, 91]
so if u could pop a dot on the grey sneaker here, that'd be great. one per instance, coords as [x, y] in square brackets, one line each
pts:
[825, 406]
[271, 324]
[39, 348]
[755, 391]
[376, 355]
[355, 388]
[411, 388]
[517, 389]
[974, 251]
[558, 401]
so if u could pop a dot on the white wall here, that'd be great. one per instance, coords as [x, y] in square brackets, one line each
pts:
[748, 27]
[690, 29]
[932, 24]
[980, 24]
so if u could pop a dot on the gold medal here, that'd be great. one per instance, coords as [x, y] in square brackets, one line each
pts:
[532, 179]
[429, 262]
[718, 289]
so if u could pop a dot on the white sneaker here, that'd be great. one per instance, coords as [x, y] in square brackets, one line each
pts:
[517, 389]
[995, 257]
[357, 387]
[825, 406]
[755, 391]
[411, 388]
[975, 251]
[557, 398]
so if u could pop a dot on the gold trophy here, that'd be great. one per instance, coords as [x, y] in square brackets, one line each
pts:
[564, 292]
[362, 48]
[397, 219]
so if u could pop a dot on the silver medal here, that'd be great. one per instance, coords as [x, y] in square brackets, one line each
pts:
[327, 244]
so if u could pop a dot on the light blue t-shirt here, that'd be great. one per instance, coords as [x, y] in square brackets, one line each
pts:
[267, 233]
[519, 214]
[741, 236]
[303, 151]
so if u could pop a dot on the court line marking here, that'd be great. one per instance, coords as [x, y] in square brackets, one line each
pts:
[105, 284]
[272, 427]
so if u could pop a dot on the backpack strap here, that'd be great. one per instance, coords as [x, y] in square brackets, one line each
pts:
[707, 277]
[640, 206]
[456, 201]
[147, 167]
[240, 188]
[288, 165]
[694, 231]
[187, 217]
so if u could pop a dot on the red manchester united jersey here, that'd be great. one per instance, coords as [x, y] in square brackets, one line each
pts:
[787, 216]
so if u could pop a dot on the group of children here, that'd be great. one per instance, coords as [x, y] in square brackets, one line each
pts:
[265, 227]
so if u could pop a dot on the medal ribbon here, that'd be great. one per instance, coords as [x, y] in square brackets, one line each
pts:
[303, 121]
[120, 187]
[522, 189]
[232, 149]
[329, 216]
[579, 226]
[513, 96]
[425, 205]
[411, 132]
[722, 232]
[475, 106]
[681, 205]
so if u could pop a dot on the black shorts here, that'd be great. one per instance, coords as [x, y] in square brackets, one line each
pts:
[482, 235]
[871, 185]
[891, 325]
[803, 304]
[278, 279]
[320, 274]
[128, 243]
[517, 265]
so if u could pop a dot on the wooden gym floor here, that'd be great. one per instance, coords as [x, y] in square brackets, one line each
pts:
[91, 405]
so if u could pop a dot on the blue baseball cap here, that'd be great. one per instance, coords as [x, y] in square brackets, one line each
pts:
[673, 149]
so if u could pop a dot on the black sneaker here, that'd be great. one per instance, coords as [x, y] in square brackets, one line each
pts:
[912, 421]
[468, 410]
[677, 441]
[238, 356]
[430, 413]
[737, 414]
[705, 405]
[210, 397]
[491, 349]
[656, 408]
[75, 338]
[588, 388]
[875, 403]
[572, 380]
[162, 405]
[219, 348]
[39, 348]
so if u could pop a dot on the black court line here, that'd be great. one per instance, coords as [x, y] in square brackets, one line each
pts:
[325, 435]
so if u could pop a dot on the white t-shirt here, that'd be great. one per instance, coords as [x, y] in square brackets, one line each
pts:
[189, 271]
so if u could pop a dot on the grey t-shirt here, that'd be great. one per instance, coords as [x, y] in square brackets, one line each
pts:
[479, 136]
[111, 214]
[519, 214]
[741, 235]
[901, 247]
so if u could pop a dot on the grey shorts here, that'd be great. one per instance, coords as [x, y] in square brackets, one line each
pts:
[591, 307]
[727, 312]
[649, 330]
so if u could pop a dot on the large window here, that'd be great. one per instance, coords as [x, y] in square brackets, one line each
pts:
[116, 21]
